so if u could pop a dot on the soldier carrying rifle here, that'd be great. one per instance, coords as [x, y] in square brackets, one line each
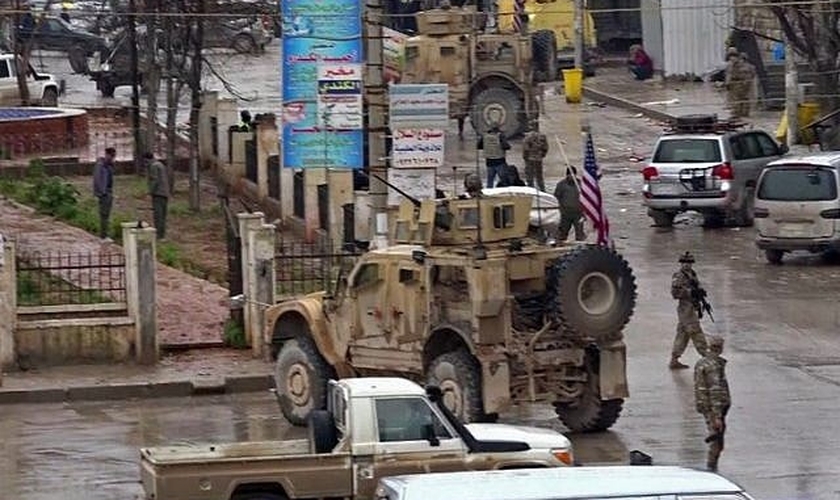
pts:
[691, 304]
[711, 394]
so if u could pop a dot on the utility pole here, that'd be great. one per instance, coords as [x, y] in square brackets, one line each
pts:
[135, 83]
[791, 95]
[377, 110]
[580, 8]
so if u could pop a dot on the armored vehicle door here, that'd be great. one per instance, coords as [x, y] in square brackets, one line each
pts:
[368, 289]
[409, 303]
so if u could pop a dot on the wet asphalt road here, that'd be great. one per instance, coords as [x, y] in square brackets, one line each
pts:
[781, 324]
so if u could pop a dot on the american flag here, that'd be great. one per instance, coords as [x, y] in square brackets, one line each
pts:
[590, 194]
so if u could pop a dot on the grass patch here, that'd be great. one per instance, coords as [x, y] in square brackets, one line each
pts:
[234, 334]
[39, 288]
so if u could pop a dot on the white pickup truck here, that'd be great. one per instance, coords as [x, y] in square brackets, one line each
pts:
[374, 428]
[43, 88]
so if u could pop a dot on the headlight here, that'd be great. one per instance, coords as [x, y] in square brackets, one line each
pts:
[564, 455]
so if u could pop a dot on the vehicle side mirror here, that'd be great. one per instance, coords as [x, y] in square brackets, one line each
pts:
[430, 436]
[783, 149]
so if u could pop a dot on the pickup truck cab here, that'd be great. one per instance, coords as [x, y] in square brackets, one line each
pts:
[43, 88]
[373, 428]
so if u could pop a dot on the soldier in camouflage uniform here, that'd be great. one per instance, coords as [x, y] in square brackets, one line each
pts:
[683, 283]
[534, 149]
[711, 393]
[740, 79]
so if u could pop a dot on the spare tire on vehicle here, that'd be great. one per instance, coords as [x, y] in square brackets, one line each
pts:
[592, 292]
[544, 55]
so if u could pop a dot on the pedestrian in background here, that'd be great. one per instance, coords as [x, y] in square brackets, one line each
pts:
[567, 193]
[495, 146]
[640, 63]
[711, 394]
[160, 191]
[740, 81]
[103, 189]
[683, 284]
[534, 150]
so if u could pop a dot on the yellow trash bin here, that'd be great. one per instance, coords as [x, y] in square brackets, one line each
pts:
[806, 113]
[573, 84]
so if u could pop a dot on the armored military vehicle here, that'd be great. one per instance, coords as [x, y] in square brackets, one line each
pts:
[492, 77]
[466, 301]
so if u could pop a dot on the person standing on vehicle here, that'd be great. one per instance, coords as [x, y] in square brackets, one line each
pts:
[103, 189]
[495, 146]
[534, 150]
[160, 191]
[711, 394]
[683, 285]
[567, 193]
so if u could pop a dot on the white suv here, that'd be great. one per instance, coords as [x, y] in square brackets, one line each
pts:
[706, 168]
[43, 89]
[797, 206]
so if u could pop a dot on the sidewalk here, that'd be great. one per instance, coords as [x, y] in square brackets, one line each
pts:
[189, 373]
[664, 100]
[190, 310]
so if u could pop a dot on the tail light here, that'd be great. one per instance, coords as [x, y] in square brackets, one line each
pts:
[761, 213]
[833, 213]
[650, 173]
[723, 171]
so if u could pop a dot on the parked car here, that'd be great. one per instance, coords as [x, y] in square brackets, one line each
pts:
[54, 33]
[709, 167]
[573, 483]
[797, 206]
[43, 88]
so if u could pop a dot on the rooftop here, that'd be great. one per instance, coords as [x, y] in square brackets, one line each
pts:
[381, 386]
[827, 158]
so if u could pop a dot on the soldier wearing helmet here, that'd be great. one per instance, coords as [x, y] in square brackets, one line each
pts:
[683, 284]
[472, 186]
[711, 394]
[534, 150]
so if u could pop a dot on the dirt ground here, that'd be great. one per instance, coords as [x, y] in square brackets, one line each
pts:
[195, 243]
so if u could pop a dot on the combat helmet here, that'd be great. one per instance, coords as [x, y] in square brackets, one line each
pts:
[687, 258]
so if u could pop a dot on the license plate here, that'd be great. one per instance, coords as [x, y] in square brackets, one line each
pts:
[667, 189]
[794, 230]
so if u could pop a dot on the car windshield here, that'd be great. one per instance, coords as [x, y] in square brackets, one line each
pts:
[798, 184]
[687, 151]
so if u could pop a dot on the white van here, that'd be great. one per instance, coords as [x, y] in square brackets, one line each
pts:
[797, 205]
[568, 483]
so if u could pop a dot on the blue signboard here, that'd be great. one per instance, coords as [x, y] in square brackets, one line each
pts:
[319, 128]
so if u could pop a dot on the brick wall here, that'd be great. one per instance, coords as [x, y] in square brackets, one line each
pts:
[47, 134]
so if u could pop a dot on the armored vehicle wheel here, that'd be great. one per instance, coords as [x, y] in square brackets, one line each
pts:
[589, 413]
[458, 375]
[322, 432]
[258, 496]
[77, 55]
[593, 292]
[544, 52]
[498, 104]
[244, 44]
[300, 378]
[106, 88]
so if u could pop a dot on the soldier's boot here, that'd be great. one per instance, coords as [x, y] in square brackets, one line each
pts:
[712, 458]
[676, 365]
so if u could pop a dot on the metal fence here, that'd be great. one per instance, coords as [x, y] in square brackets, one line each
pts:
[303, 268]
[64, 278]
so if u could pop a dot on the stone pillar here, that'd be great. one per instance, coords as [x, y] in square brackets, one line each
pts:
[267, 143]
[209, 100]
[237, 152]
[8, 305]
[287, 192]
[227, 115]
[260, 284]
[141, 290]
[340, 193]
[249, 223]
[312, 178]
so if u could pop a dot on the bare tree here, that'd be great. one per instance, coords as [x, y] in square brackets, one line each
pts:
[151, 71]
[813, 29]
[194, 82]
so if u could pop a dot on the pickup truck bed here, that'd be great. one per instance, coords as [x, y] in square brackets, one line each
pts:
[218, 469]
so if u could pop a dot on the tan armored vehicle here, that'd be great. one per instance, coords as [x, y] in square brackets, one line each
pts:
[466, 301]
[491, 76]
[375, 427]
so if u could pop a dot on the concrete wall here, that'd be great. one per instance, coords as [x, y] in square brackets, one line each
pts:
[73, 341]
[8, 306]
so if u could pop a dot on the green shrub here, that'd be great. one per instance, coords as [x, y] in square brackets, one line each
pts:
[168, 254]
[234, 334]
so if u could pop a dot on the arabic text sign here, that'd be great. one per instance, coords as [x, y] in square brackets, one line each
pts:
[416, 148]
[419, 105]
[417, 182]
[393, 54]
[322, 49]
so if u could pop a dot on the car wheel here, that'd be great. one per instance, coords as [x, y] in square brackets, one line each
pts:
[744, 216]
[50, 98]
[661, 218]
[244, 44]
[774, 256]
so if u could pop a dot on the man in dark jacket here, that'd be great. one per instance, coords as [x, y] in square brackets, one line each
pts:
[103, 189]
[640, 63]
[160, 191]
[495, 145]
